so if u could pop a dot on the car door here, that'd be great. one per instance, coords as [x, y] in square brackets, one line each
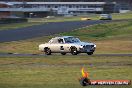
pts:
[58, 46]
[61, 45]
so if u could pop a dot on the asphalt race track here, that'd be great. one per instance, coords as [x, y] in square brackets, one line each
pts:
[44, 30]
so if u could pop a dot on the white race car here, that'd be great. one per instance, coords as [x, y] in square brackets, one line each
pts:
[67, 44]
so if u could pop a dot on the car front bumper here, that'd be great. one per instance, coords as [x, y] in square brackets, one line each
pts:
[85, 50]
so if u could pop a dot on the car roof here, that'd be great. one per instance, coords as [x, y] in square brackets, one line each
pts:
[64, 37]
[104, 14]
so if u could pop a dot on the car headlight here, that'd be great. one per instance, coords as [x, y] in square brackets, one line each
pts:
[81, 47]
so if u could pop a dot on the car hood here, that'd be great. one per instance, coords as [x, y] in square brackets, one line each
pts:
[84, 43]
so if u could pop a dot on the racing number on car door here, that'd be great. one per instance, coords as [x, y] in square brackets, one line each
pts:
[61, 42]
[61, 48]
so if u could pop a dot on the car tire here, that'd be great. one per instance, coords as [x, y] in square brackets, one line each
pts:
[63, 53]
[90, 53]
[74, 51]
[47, 51]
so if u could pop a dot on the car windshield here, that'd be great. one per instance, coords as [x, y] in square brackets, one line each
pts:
[71, 40]
[105, 15]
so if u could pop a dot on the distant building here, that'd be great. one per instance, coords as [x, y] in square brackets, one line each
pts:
[4, 13]
[42, 8]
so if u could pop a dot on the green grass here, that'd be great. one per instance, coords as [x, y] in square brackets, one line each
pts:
[18, 25]
[104, 31]
[122, 15]
[61, 72]
[56, 19]
[62, 18]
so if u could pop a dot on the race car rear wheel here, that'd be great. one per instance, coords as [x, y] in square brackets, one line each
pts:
[90, 53]
[63, 53]
[74, 51]
[47, 51]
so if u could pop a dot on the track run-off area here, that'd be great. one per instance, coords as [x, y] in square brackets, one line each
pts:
[43, 55]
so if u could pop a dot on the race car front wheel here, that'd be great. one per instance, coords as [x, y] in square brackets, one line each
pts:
[74, 51]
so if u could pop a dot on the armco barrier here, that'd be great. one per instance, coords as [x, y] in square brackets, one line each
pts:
[12, 20]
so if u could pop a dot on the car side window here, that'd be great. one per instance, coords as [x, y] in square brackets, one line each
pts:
[53, 40]
[60, 41]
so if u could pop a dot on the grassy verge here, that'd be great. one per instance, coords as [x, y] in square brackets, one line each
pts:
[122, 15]
[110, 38]
[115, 16]
[61, 72]
[62, 18]
[18, 25]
